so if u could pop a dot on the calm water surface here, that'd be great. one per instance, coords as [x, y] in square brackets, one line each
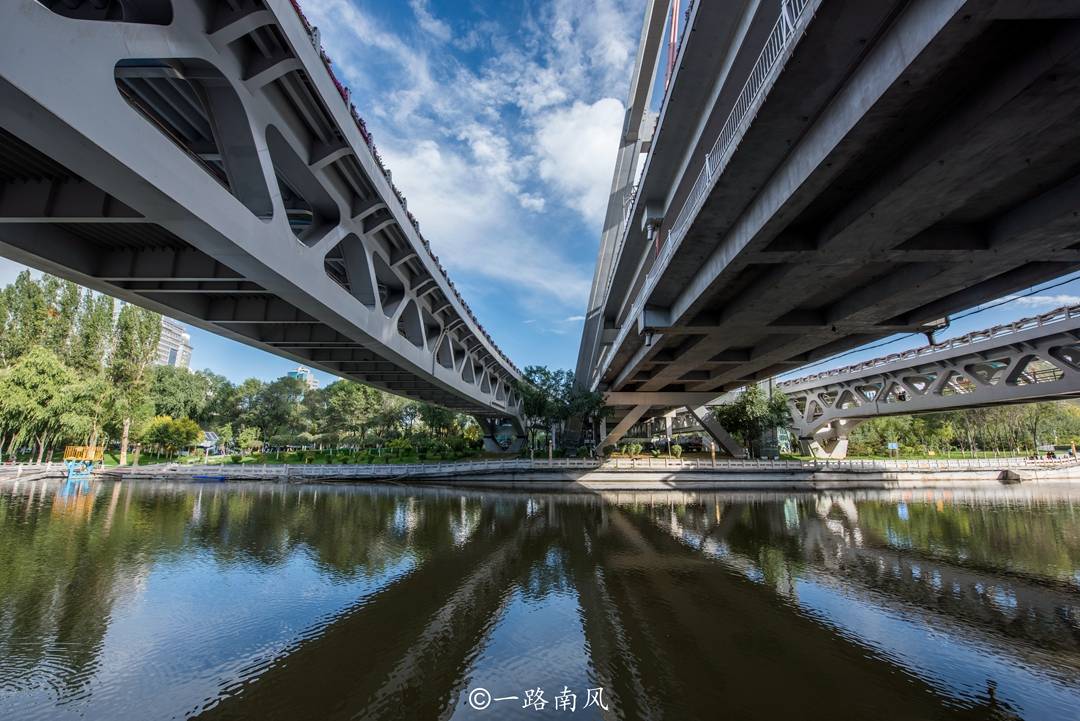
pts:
[283, 602]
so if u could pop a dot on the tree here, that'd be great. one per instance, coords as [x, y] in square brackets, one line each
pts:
[351, 408]
[549, 399]
[27, 312]
[138, 332]
[278, 407]
[1041, 417]
[752, 413]
[38, 397]
[225, 435]
[248, 440]
[436, 418]
[172, 434]
[246, 402]
[95, 334]
[63, 317]
[221, 399]
[178, 392]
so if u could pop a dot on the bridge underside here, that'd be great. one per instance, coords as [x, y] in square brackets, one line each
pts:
[205, 165]
[910, 160]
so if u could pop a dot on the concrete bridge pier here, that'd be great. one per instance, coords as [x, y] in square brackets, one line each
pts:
[717, 432]
[831, 441]
[495, 427]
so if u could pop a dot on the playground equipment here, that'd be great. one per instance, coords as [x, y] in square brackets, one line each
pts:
[81, 462]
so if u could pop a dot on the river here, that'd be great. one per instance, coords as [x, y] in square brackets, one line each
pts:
[272, 601]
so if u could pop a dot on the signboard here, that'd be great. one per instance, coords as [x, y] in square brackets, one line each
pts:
[894, 446]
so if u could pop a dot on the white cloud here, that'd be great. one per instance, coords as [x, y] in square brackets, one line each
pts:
[575, 318]
[428, 22]
[1047, 301]
[486, 149]
[577, 148]
[471, 223]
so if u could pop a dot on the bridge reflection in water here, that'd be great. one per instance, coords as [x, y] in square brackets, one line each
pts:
[263, 601]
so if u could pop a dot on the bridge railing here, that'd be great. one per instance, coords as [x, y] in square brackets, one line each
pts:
[784, 34]
[464, 468]
[1058, 315]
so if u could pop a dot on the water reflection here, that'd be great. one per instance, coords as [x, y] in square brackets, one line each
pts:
[273, 601]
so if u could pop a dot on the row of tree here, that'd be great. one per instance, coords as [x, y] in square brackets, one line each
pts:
[77, 367]
[285, 412]
[1009, 429]
[73, 367]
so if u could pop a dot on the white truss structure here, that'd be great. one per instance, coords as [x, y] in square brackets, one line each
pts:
[1032, 359]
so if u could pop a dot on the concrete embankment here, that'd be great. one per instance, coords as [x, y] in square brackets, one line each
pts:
[535, 476]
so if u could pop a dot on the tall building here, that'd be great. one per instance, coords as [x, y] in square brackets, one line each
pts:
[174, 348]
[304, 374]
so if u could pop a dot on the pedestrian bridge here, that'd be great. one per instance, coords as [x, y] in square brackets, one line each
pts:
[1032, 359]
[201, 159]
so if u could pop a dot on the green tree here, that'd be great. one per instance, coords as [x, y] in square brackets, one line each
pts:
[63, 321]
[351, 409]
[752, 413]
[38, 400]
[221, 404]
[96, 333]
[278, 408]
[248, 440]
[138, 332]
[27, 315]
[437, 419]
[178, 392]
[225, 435]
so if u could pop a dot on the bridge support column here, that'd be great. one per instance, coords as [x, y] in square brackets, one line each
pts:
[502, 435]
[620, 429]
[830, 442]
[717, 432]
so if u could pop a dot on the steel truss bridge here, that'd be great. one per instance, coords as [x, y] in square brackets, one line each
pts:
[200, 158]
[1032, 359]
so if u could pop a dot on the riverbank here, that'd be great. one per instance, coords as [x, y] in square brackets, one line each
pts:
[588, 476]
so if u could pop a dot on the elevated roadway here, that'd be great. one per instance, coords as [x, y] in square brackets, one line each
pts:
[201, 159]
[824, 173]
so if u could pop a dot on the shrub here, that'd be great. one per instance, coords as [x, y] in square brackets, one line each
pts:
[236, 458]
[676, 450]
[582, 452]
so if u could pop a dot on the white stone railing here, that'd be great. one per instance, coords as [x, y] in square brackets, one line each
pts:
[464, 468]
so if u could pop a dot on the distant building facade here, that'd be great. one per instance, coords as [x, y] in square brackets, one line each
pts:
[303, 373]
[174, 348]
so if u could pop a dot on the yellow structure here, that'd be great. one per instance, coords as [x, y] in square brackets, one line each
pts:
[84, 453]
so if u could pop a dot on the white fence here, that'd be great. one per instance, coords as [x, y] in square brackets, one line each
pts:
[11, 471]
[462, 468]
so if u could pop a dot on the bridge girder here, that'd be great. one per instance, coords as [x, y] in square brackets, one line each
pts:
[208, 167]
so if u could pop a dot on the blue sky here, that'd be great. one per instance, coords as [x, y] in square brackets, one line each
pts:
[499, 121]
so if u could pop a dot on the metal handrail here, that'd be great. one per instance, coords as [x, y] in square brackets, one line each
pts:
[783, 36]
[1057, 315]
